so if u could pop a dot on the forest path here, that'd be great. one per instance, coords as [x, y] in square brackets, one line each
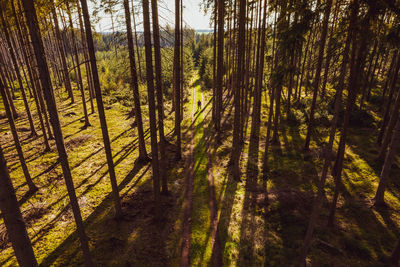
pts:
[200, 245]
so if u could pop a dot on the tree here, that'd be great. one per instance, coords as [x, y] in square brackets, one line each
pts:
[220, 64]
[152, 106]
[78, 69]
[64, 66]
[100, 107]
[34, 32]
[387, 166]
[134, 84]
[177, 80]
[318, 73]
[28, 178]
[13, 218]
[236, 146]
[159, 86]
[18, 74]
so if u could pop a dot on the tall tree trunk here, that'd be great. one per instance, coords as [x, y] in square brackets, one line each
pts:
[86, 57]
[100, 107]
[64, 66]
[13, 218]
[78, 73]
[220, 64]
[136, 41]
[255, 119]
[16, 68]
[393, 117]
[34, 31]
[318, 74]
[8, 93]
[28, 178]
[32, 82]
[278, 77]
[159, 87]
[236, 146]
[177, 79]
[356, 65]
[328, 150]
[152, 106]
[390, 158]
[134, 85]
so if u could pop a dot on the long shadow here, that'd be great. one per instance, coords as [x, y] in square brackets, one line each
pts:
[70, 243]
[248, 225]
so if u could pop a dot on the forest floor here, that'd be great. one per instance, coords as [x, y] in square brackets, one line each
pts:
[208, 216]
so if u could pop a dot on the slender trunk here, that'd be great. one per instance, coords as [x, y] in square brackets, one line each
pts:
[78, 73]
[236, 146]
[318, 73]
[134, 85]
[64, 66]
[16, 68]
[13, 218]
[86, 57]
[255, 123]
[136, 41]
[28, 178]
[30, 14]
[152, 106]
[357, 64]
[100, 107]
[328, 151]
[392, 78]
[159, 90]
[220, 64]
[387, 166]
[177, 79]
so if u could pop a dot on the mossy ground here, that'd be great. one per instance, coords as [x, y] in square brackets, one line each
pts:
[259, 221]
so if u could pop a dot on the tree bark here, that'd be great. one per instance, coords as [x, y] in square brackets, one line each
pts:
[64, 66]
[152, 106]
[159, 90]
[13, 218]
[177, 79]
[100, 107]
[317, 77]
[15, 64]
[30, 13]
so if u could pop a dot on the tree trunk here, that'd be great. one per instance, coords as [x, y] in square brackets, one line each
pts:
[100, 107]
[28, 178]
[328, 150]
[13, 218]
[64, 66]
[78, 69]
[220, 64]
[159, 87]
[152, 106]
[318, 73]
[15, 64]
[32, 82]
[387, 166]
[134, 85]
[236, 146]
[30, 14]
[177, 79]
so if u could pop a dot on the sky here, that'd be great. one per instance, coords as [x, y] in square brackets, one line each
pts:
[193, 15]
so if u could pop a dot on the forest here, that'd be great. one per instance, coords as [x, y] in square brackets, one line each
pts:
[270, 139]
